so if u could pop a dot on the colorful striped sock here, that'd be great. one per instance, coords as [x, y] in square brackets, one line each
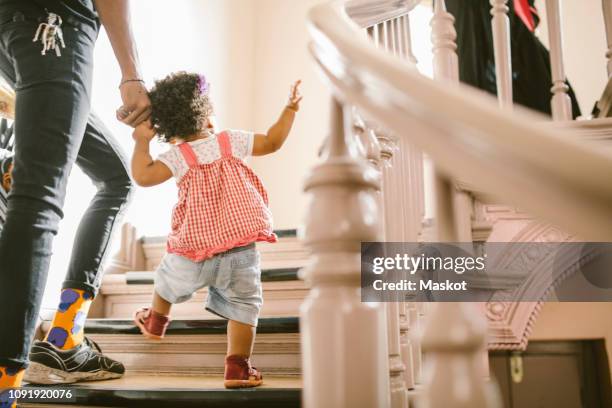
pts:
[9, 378]
[67, 328]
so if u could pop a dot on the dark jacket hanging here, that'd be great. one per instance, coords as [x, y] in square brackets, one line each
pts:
[531, 74]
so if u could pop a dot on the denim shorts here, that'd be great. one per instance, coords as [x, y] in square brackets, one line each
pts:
[233, 279]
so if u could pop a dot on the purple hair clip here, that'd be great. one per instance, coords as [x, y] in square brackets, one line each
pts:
[203, 84]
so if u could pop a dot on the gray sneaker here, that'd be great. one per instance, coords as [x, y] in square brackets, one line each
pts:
[50, 365]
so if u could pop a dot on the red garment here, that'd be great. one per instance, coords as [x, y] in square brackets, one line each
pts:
[525, 13]
[222, 205]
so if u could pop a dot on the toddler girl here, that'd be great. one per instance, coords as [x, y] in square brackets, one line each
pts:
[222, 211]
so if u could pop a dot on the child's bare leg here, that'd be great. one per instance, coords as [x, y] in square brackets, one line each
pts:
[240, 339]
[161, 305]
[239, 373]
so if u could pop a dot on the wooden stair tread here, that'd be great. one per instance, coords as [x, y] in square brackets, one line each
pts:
[141, 381]
[185, 327]
[141, 390]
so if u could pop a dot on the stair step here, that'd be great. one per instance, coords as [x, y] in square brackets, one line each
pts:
[139, 390]
[119, 299]
[197, 346]
[191, 327]
[267, 275]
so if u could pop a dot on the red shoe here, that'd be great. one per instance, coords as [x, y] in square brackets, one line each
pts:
[240, 374]
[152, 324]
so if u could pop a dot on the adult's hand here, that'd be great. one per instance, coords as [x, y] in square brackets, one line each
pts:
[115, 16]
[136, 104]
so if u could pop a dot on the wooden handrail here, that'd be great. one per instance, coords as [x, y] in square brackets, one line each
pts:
[367, 13]
[507, 154]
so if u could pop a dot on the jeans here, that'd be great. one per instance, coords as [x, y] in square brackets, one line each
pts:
[53, 130]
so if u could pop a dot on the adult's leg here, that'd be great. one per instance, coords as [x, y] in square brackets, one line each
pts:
[103, 160]
[52, 107]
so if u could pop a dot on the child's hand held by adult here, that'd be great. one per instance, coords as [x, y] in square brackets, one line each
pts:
[136, 103]
[144, 132]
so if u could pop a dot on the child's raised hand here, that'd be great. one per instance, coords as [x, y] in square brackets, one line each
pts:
[295, 97]
[144, 132]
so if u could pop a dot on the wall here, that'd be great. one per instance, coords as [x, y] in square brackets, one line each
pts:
[575, 321]
[281, 57]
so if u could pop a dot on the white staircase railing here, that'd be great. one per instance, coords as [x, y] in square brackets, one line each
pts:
[350, 349]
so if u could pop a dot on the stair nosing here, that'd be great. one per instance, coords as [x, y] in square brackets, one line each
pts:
[267, 325]
[186, 397]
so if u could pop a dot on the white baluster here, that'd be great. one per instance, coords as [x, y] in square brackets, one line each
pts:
[371, 31]
[381, 37]
[376, 33]
[453, 341]
[403, 180]
[607, 14]
[397, 39]
[389, 36]
[393, 208]
[374, 153]
[443, 36]
[561, 103]
[415, 330]
[419, 160]
[502, 51]
[344, 346]
[406, 341]
[401, 203]
[446, 67]
[403, 188]
[410, 162]
[454, 335]
[397, 368]
[406, 36]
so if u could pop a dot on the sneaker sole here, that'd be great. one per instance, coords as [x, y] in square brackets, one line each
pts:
[242, 383]
[41, 374]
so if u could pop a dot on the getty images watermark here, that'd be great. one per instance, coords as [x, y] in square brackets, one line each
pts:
[449, 272]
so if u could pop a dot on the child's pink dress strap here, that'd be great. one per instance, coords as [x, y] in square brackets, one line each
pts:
[188, 154]
[224, 144]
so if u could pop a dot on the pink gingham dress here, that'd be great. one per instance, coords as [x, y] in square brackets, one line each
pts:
[222, 205]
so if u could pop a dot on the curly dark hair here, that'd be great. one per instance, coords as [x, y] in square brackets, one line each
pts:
[180, 105]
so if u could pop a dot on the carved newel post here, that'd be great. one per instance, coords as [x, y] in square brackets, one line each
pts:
[344, 342]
